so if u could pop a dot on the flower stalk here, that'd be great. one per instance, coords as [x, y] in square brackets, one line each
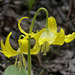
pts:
[29, 39]
[31, 27]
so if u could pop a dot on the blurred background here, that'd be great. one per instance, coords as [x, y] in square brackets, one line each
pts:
[60, 60]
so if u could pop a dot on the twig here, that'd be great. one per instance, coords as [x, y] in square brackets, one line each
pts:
[70, 9]
[39, 59]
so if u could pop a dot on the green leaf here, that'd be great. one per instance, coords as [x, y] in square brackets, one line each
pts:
[31, 2]
[13, 70]
[1, 0]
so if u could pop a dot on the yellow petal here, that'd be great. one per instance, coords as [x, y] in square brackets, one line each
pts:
[47, 36]
[52, 26]
[24, 45]
[35, 49]
[8, 47]
[6, 54]
[37, 35]
[3, 46]
[60, 38]
[4, 50]
[70, 37]
[21, 30]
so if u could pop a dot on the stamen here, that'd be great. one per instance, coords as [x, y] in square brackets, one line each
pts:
[45, 48]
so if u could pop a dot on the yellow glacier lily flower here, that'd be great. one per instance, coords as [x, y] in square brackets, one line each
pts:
[36, 48]
[8, 51]
[50, 36]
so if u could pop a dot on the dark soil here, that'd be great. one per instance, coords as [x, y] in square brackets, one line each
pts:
[60, 60]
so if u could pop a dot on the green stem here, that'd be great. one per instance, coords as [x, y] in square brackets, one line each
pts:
[29, 56]
[36, 16]
[29, 39]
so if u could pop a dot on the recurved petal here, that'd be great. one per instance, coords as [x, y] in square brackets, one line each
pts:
[3, 46]
[52, 26]
[6, 54]
[60, 38]
[70, 37]
[4, 50]
[21, 30]
[9, 48]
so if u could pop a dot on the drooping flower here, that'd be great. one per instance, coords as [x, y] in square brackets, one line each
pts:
[50, 36]
[8, 51]
[36, 48]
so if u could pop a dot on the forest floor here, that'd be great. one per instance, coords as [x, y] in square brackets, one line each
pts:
[60, 60]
